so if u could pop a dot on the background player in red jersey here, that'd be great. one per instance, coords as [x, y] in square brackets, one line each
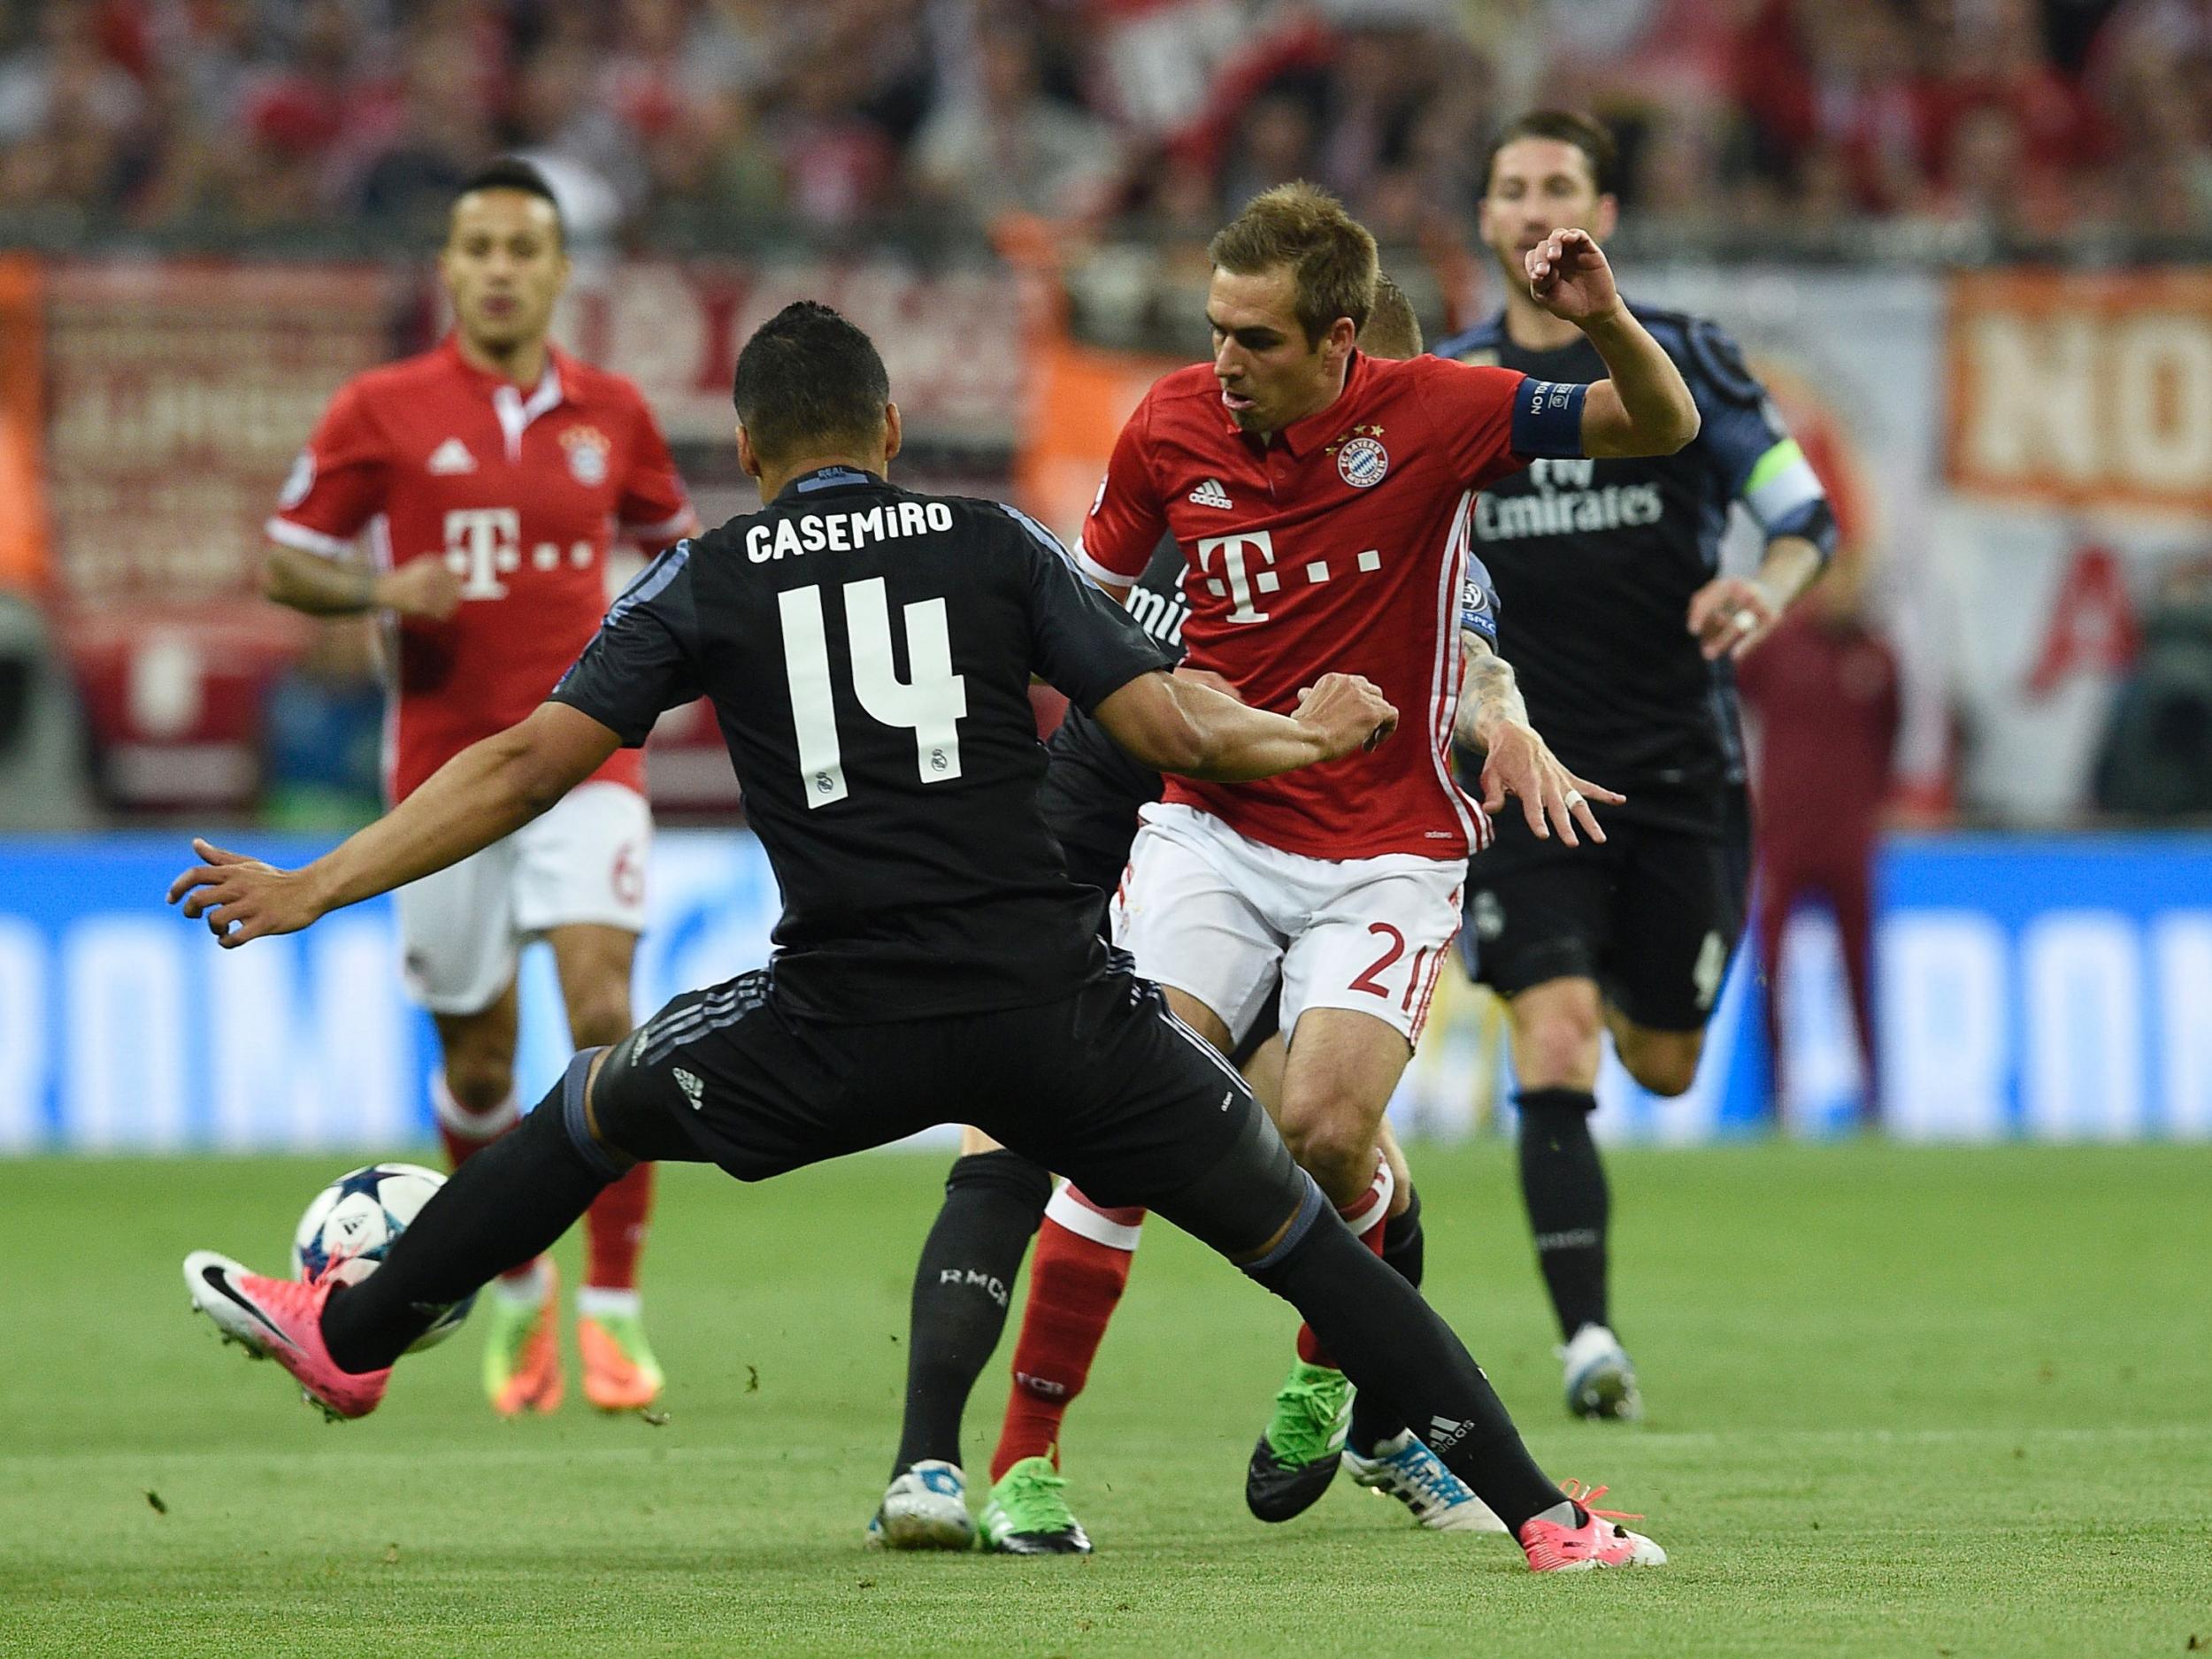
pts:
[1322, 500]
[488, 474]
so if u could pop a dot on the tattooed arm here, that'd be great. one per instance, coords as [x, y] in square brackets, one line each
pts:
[1493, 719]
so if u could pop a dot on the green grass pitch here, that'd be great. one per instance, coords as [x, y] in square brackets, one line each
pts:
[1926, 1402]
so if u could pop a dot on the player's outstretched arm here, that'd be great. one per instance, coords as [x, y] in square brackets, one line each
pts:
[1517, 762]
[1173, 724]
[1645, 407]
[487, 791]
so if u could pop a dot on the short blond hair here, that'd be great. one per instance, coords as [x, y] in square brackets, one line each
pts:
[1392, 330]
[1330, 255]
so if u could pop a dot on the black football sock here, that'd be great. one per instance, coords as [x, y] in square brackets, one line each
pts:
[993, 1203]
[1564, 1184]
[1393, 1344]
[506, 1204]
[1404, 1251]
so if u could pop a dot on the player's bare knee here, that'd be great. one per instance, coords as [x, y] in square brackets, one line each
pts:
[479, 1083]
[1557, 1049]
[599, 1016]
[1664, 1062]
[1335, 1150]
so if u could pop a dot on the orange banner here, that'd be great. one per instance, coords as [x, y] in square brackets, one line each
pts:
[22, 419]
[1078, 397]
[2082, 388]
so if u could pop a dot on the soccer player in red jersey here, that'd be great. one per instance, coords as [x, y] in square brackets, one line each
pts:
[489, 474]
[1322, 498]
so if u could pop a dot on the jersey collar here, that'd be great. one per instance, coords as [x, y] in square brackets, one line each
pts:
[828, 478]
[1310, 433]
[514, 410]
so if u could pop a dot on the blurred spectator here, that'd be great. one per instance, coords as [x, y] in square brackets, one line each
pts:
[1008, 147]
[2156, 758]
[322, 733]
[67, 112]
[1825, 688]
[1994, 121]
[444, 131]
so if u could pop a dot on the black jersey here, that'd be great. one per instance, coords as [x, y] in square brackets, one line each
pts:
[1596, 561]
[868, 652]
[1157, 605]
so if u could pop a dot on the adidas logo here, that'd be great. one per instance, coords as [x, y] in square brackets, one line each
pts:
[1444, 1431]
[693, 1088]
[451, 457]
[1211, 494]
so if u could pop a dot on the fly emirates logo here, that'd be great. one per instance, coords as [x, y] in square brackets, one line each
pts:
[483, 544]
[1563, 503]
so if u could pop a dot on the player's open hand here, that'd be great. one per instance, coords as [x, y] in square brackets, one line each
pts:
[241, 898]
[1349, 712]
[1520, 763]
[1729, 615]
[421, 587]
[1569, 277]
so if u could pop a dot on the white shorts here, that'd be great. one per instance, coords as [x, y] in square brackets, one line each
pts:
[1218, 916]
[462, 929]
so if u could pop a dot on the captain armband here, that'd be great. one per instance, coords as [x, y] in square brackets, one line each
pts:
[1785, 494]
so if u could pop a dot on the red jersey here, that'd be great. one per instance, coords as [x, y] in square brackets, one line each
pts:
[520, 495]
[1340, 544]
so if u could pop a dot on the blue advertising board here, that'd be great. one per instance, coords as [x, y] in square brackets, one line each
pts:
[2044, 987]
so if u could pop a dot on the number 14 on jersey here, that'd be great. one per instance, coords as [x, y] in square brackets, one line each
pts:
[931, 703]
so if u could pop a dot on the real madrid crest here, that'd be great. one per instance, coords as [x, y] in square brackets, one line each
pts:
[1361, 459]
[587, 448]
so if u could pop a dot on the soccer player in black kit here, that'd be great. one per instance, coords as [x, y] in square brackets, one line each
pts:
[868, 653]
[1622, 630]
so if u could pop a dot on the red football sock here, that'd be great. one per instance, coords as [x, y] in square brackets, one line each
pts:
[1365, 1215]
[1075, 1276]
[614, 1230]
[464, 1133]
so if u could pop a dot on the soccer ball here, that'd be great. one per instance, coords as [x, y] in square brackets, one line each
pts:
[354, 1220]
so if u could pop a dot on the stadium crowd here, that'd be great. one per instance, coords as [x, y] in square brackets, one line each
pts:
[2022, 120]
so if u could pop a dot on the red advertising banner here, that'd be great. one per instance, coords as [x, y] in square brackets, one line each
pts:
[178, 396]
[951, 340]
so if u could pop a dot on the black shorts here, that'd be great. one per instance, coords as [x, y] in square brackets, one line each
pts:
[1104, 1085]
[1653, 915]
[1090, 799]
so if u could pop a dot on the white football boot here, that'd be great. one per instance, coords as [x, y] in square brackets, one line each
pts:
[926, 1507]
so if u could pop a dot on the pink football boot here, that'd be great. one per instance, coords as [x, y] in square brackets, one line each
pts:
[281, 1319]
[1599, 1541]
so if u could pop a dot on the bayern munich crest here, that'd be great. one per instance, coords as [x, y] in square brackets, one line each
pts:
[587, 448]
[1361, 462]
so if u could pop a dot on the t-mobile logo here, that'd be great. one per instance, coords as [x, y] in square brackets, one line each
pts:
[481, 545]
[1243, 576]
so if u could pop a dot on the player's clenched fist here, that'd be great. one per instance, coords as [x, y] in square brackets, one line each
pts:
[1569, 277]
[1348, 711]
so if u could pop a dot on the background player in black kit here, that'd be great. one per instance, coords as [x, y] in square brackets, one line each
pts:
[994, 1199]
[1622, 630]
[868, 652]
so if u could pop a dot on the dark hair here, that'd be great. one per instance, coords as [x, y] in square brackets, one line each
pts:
[1391, 328]
[1330, 254]
[808, 378]
[1564, 127]
[512, 172]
